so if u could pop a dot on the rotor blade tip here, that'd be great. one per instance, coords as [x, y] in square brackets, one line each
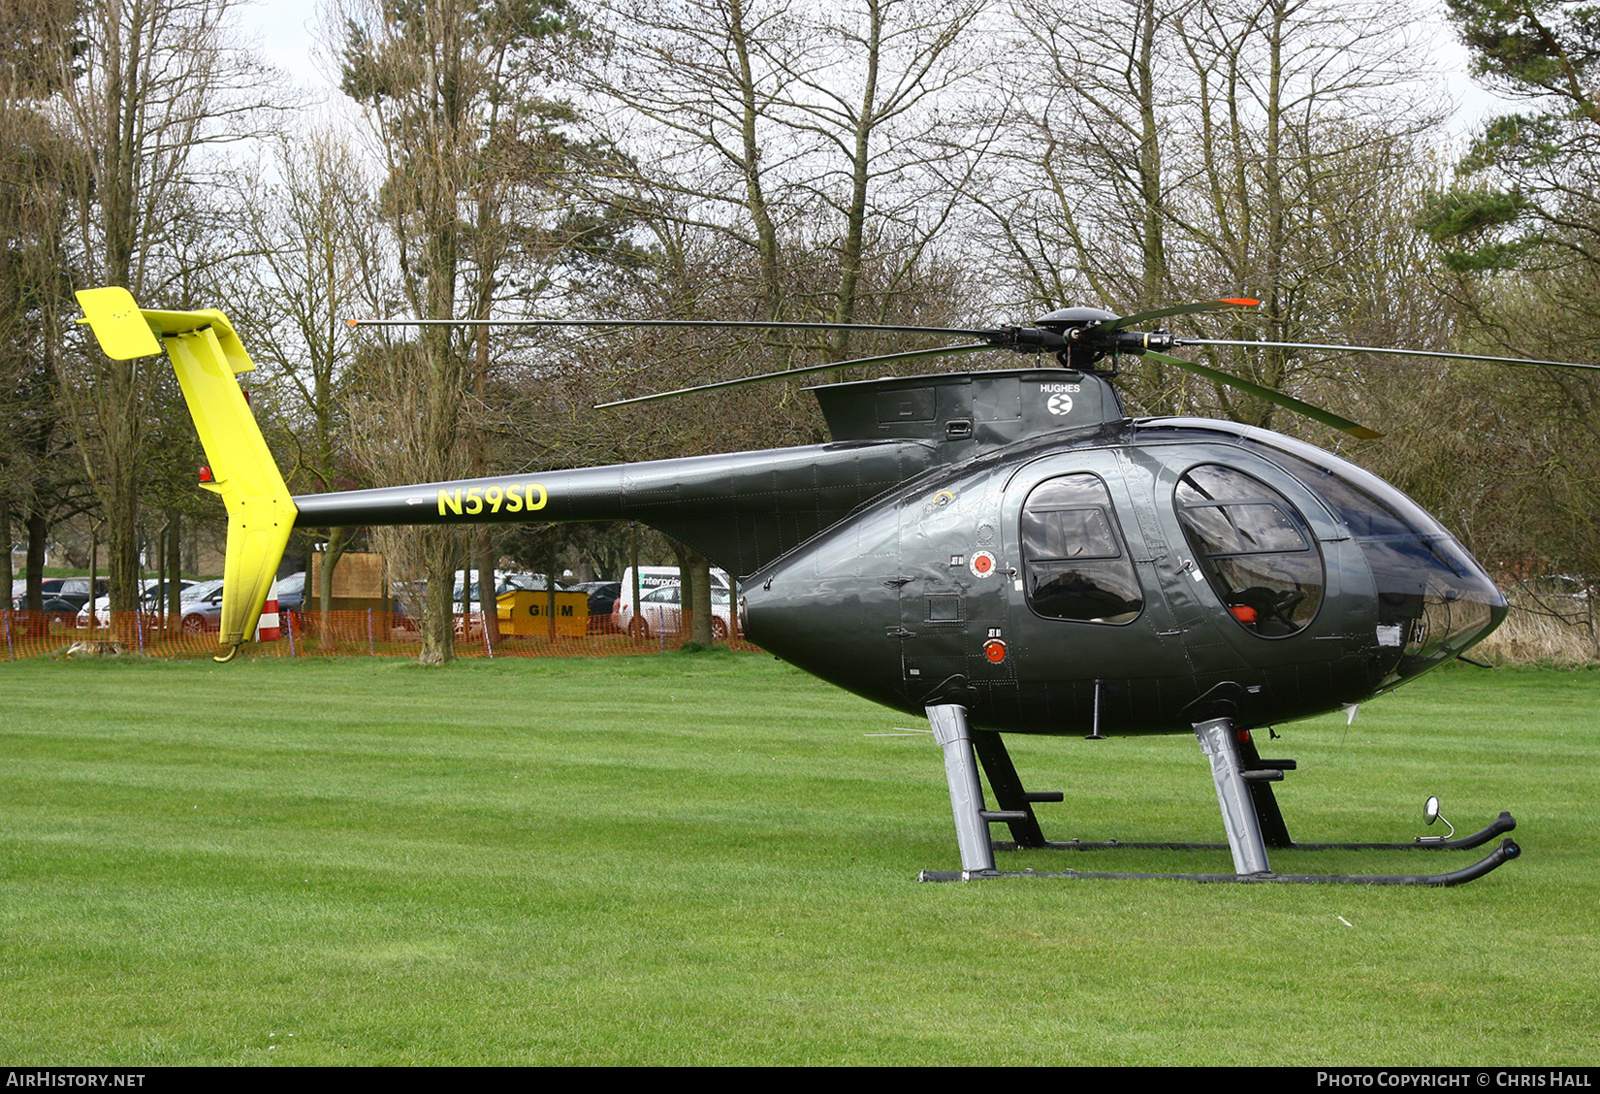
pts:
[1241, 302]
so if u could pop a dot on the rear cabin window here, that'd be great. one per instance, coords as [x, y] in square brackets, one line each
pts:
[1254, 548]
[1075, 565]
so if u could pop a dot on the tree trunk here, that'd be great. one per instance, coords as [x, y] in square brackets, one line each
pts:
[174, 570]
[550, 587]
[7, 574]
[338, 540]
[38, 530]
[682, 555]
[633, 551]
[438, 611]
[702, 629]
[94, 574]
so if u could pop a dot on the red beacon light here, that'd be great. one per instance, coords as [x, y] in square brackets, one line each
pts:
[205, 475]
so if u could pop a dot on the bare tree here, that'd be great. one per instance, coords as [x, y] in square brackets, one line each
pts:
[319, 259]
[789, 130]
[453, 92]
[37, 478]
[783, 157]
[1074, 184]
[1200, 148]
[143, 87]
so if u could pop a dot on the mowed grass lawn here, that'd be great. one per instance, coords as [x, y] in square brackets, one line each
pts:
[691, 859]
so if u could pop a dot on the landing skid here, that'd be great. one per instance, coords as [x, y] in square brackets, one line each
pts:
[1507, 851]
[1250, 815]
[1505, 822]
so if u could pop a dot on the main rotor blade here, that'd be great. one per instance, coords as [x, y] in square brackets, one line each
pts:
[1136, 318]
[1288, 402]
[1382, 350]
[790, 373]
[707, 324]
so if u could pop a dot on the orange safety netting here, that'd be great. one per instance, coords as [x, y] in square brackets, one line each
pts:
[312, 634]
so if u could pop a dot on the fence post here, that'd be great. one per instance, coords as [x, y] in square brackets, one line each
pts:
[486, 643]
[372, 649]
[11, 654]
[288, 629]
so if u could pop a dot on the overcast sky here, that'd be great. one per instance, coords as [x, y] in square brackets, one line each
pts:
[286, 33]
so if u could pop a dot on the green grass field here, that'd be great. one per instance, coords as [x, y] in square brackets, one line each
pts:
[711, 858]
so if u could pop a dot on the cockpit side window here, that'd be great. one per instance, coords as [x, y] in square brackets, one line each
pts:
[1254, 547]
[1075, 565]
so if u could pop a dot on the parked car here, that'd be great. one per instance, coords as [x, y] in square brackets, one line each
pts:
[292, 592]
[149, 601]
[202, 604]
[62, 597]
[60, 609]
[64, 593]
[603, 598]
[48, 589]
[661, 612]
[201, 608]
[77, 589]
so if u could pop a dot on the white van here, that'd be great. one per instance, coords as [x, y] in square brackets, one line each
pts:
[661, 612]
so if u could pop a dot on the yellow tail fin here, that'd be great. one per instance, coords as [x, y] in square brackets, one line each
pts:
[207, 354]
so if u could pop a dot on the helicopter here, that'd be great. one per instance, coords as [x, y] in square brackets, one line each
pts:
[999, 551]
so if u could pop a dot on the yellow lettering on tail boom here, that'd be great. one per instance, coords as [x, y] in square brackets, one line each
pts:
[491, 500]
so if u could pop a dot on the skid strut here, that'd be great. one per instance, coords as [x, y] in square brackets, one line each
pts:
[1250, 813]
[949, 722]
[1233, 795]
[1016, 804]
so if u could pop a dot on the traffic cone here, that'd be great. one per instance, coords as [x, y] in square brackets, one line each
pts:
[267, 630]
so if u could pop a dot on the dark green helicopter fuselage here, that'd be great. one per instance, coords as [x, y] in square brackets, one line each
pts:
[1011, 542]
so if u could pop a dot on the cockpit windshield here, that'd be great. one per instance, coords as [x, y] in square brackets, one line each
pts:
[1434, 600]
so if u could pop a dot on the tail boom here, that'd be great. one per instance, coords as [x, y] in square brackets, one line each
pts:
[741, 509]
